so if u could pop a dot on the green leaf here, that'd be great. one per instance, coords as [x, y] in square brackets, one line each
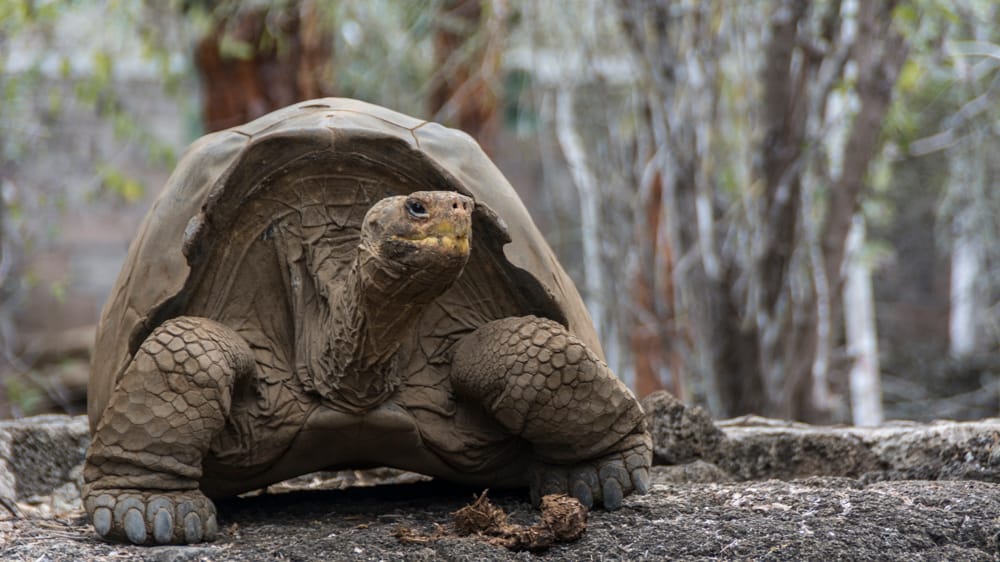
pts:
[86, 91]
[65, 68]
[123, 125]
[58, 291]
[910, 75]
[132, 190]
[103, 67]
[232, 48]
[27, 398]
[55, 101]
[907, 13]
[117, 182]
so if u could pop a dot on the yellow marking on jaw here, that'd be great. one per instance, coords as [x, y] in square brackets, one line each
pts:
[450, 243]
[444, 229]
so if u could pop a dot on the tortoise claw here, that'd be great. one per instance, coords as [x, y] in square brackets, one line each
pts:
[138, 517]
[612, 494]
[640, 479]
[135, 527]
[603, 481]
[102, 521]
[163, 526]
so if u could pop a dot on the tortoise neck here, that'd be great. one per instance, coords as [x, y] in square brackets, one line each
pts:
[354, 363]
[378, 308]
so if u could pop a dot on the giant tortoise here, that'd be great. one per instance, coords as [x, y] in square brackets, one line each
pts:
[337, 285]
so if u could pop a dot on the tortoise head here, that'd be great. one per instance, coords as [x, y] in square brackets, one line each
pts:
[422, 239]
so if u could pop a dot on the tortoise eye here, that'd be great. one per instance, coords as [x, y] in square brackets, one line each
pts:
[416, 209]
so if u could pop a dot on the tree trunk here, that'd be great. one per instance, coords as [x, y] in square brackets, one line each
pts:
[595, 282]
[862, 341]
[965, 270]
[654, 338]
[758, 275]
[880, 51]
[261, 60]
[970, 178]
[467, 53]
[5, 271]
[666, 342]
[785, 81]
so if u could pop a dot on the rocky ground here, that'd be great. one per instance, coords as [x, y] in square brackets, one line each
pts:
[740, 489]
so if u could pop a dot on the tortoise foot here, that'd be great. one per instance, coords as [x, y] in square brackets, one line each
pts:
[151, 518]
[603, 481]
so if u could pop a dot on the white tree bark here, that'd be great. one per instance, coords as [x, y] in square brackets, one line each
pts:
[595, 282]
[962, 322]
[862, 339]
[966, 268]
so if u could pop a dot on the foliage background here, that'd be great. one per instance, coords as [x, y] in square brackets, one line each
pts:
[784, 207]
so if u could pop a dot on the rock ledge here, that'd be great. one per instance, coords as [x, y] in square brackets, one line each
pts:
[749, 488]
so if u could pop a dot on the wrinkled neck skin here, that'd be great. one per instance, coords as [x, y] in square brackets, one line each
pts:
[388, 299]
[365, 321]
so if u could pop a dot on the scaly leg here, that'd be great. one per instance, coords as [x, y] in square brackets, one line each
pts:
[542, 383]
[144, 461]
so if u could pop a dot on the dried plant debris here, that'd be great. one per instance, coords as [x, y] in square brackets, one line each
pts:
[481, 516]
[408, 535]
[564, 519]
[564, 516]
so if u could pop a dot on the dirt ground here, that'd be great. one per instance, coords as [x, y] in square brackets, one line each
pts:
[743, 489]
[820, 518]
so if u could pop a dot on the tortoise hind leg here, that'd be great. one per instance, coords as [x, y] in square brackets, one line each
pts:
[542, 383]
[144, 462]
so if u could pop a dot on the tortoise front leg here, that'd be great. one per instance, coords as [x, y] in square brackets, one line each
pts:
[542, 383]
[144, 461]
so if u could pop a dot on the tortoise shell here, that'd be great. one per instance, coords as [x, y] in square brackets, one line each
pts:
[307, 172]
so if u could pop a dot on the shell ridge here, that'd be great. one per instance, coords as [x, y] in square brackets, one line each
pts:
[372, 116]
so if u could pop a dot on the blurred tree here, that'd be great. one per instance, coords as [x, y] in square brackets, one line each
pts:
[256, 59]
[751, 129]
[943, 132]
[465, 88]
[717, 167]
[42, 81]
[251, 57]
[972, 201]
[762, 294]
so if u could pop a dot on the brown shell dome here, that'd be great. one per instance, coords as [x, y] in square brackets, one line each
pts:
[229, 186]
